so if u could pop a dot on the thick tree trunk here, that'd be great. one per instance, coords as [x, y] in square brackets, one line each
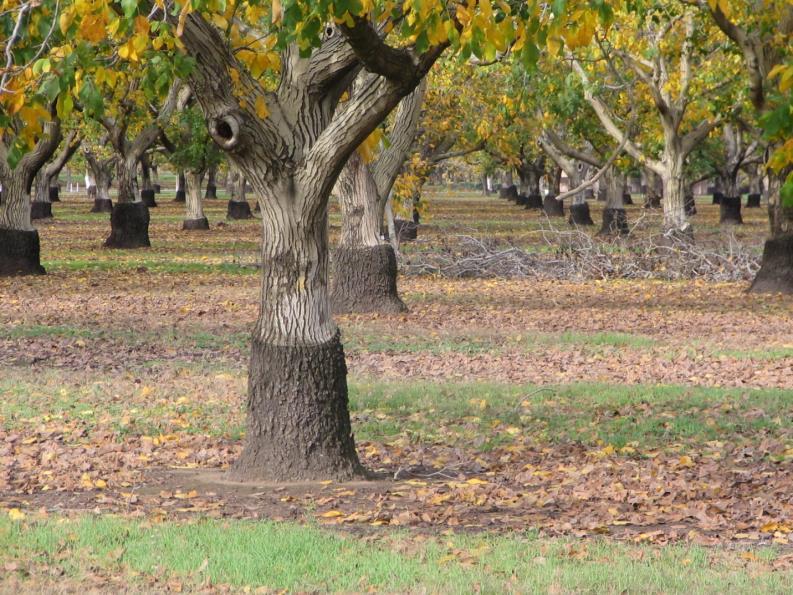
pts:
[238, 207]
[41, 207]
[19, 241]
[653, 190]
[212, 188]
[776, 269]
[194, 215]
[146, 186]
[674, 200]
[180, 187]
[364, 268]
[298, 421]
[615, 220]
[129, 221]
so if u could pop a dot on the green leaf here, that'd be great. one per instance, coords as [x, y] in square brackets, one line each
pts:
[130, 7]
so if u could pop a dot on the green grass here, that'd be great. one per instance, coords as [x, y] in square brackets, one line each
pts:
[772, 353]
[479, 415]
[306, 558]
[152, 266]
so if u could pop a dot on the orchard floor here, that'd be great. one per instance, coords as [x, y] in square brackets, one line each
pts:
[596, 436]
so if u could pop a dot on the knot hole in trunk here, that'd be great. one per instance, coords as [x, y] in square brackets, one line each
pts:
[225, 131]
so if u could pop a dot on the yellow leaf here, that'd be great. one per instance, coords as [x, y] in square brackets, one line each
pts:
[100, 483]
[685, 461]
[15, 514]
[277, 10]
[261, 108]
[474, 481]
[332, 514]
[65, 20]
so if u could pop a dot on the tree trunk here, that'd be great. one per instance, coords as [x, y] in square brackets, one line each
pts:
[194, 216]
[615, 219]
[19, 241]
[238, 207]
[674, 200]
[180, 187]
[41, 207]
[298, 421]
[653, 190]
[776, 269]
[129, 221]
[212, 188]
[146, 186]
[364, 267]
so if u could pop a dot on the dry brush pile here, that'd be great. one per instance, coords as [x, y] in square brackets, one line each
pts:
[574, 254]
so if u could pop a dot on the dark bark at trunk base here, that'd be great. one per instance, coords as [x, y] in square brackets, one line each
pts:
[627, 199]
[652, 202]
[238, 210]
[553, 207]
[55, 194]
[730, 210]
[508, 192]
[20, 253]
[180, 196]
[129, 226]
[212, 191]
[534, 201]
[195, 224]
[690, 205]
[157, 188]
[717, 196]
[776, 271]
[365, 280]
[298, 418]
[147, 198]
[406, 230]
[257, 208]
[580, 215]
[522, 201]
[615, 221]
[753, 201]
[40, 210]
[102, 205]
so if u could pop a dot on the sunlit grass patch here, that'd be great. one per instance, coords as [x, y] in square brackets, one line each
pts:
[241, 554]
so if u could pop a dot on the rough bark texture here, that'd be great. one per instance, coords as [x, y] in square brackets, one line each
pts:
[195, 224]
[20, 253]
[776, 272]
[147, 197]
[627, 199]
[553, 207]
[212, 189]
[238, 210]
[753, 201]
[717, 196]
[54, 194]
[298, 421]
[102, 205]
[580, 215]
[180, 188]
[129, 224]
[509, 192]
[194, 207]
[730, 210]
[298, 425]
[534, 201]
[615, 221]
[40, 210]
[406, 230]
[691, 205]
[364, 280]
